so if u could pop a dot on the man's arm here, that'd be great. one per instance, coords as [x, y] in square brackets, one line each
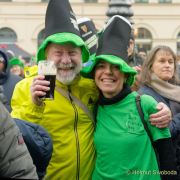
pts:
[22, 105]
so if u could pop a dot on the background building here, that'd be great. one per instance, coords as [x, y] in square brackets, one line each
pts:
[155, 21]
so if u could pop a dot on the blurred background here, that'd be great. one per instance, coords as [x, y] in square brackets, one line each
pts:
[155, 22]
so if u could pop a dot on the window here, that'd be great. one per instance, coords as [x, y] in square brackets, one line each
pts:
[143, 39]
[7, 35]
[90, 1]
[5, 0]
[143, 33]
[178, 44]
[41, 37]
[141, 1]
[165, 1]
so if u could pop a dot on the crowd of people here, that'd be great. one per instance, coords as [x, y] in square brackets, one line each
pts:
[92, 128]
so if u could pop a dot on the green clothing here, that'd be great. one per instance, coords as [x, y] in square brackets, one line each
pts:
[124, 150]
[69, 127]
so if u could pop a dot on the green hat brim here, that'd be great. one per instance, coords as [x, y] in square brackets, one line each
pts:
[63, 38]
[87, 66]
[88, 72]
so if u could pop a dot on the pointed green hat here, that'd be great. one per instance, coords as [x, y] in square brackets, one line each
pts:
[61, 28]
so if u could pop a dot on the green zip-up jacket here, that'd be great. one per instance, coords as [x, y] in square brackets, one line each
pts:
[69, 126]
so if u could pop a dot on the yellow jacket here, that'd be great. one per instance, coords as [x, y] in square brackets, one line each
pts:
[68, 125]
[30, 71]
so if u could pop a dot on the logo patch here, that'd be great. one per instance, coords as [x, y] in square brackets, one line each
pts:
[84, 28]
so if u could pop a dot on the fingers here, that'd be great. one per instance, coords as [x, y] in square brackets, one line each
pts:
[160, 122]
[161, 105]
[162, 118]
[161, 113]
[39, 88]
[163, 110]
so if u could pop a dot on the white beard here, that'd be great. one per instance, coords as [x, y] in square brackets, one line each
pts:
[67, 77]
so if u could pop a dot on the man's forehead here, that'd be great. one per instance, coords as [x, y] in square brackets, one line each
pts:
[65, 45]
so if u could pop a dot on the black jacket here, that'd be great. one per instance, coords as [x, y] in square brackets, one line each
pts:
[174, 125]
[8, 81]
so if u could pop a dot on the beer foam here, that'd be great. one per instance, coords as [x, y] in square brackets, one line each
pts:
[46, 67]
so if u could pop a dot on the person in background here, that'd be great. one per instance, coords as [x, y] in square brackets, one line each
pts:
[7, 79]
[67, 118]
[10, 54]
[179, 68]
[15, 160]
[121, 142]
[159, 79]
[142, 53]
[16, 66]
[134, 60]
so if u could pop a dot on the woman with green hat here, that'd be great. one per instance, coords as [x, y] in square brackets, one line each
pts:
[124, 150]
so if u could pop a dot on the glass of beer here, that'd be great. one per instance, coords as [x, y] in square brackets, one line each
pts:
[48, 69]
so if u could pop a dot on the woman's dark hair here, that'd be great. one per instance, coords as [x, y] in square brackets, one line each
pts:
[147, 65]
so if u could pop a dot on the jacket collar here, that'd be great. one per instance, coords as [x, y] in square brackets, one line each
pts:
[122, 94]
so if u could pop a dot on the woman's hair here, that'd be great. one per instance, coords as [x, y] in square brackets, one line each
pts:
[148, 63]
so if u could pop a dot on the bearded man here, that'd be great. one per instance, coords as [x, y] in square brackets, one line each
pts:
[70, 128]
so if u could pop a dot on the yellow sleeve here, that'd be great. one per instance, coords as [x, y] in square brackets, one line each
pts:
[22, 105]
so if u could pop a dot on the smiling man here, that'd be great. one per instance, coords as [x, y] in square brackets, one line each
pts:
[67, 59]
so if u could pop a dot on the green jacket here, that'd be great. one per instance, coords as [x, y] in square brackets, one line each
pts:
[68, 125]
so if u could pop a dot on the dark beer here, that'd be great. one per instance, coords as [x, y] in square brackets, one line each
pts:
[48, 69]
[52, 80]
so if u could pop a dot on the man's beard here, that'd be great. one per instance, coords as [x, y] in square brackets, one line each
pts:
[67, 76]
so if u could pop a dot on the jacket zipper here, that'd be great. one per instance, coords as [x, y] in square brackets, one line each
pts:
[76, 134]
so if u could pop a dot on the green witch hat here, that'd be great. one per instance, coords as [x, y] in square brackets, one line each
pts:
[61, 28]
[113, 43]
